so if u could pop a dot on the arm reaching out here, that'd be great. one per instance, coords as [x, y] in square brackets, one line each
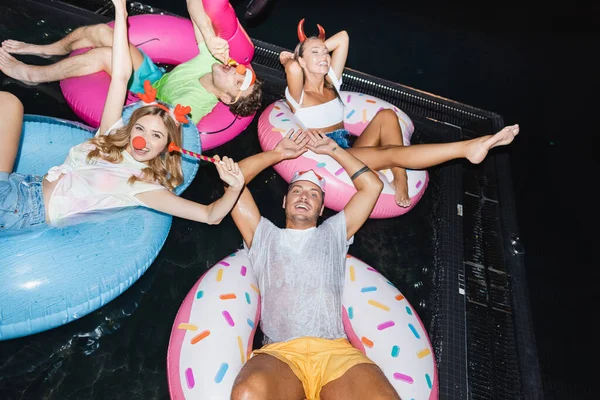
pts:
[122, 67]
[367, 183]
[212, 214]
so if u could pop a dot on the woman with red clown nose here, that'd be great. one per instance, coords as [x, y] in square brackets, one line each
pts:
[314, 77]
[126, 164]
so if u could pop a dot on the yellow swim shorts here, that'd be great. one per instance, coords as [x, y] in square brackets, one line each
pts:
[315, 361]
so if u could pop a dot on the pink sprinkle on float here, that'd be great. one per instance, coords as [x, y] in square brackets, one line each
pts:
[418, 185]
[189, 378]
[224, 263]
[279, 115]
[380, 109]
[339, 171]
[385, 325]
[187, 327]
[243, 270]
[371, 269]
[396, 109]
[404, 378]
[348, 98]
[228, 318]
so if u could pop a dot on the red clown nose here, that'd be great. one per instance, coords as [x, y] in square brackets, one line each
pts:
[138, 143]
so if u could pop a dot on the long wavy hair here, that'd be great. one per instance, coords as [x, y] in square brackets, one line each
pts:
[299, 52]
[164, 169]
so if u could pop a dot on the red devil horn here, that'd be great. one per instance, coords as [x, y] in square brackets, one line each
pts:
[321, 32]
[301, 35]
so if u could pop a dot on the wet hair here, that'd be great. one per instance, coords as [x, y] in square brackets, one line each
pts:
[248, 104]
[164, 169]
[299, 52]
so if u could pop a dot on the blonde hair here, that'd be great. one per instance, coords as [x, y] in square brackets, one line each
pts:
[165, 169]
[299, 52]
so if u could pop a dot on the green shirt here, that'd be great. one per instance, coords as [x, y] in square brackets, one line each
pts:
[182, 85]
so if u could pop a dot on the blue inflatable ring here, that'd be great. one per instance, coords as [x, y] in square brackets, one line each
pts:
[51, 276]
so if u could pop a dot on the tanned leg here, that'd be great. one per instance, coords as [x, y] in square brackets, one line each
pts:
[422, 156]
[99, 37]
[384, 130]
[264, 377]
[362, 381]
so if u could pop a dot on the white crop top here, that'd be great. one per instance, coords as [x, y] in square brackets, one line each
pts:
[322, 115]
[88, 186]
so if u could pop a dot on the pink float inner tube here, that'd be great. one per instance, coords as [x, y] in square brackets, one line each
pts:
[169, 40]
[213, 332]
[278, 119]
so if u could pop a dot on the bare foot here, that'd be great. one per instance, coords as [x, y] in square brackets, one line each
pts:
[478, 148]
[16, 47]
[14, 68]
[401, 196]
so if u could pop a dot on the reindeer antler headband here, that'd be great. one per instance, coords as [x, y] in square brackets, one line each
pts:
[149, 98]
[302, 35]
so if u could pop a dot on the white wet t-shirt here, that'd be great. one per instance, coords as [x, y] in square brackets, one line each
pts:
[301, 279]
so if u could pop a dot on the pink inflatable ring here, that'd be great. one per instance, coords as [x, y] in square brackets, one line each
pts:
[213, 331]
[277, 119]
[169, 40]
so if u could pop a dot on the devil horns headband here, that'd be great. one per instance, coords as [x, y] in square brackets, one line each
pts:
[302, 35]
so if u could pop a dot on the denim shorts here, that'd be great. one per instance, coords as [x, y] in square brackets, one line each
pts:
[147, 71]
[21, 202]
[341, 137]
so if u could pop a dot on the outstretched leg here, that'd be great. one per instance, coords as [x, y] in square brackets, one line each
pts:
[85, 36]
[422, 156]
[11, 122]
[99, 37]
[264, 377]
[362, 381]
[384, 130]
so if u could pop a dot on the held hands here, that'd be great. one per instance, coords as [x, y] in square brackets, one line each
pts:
[218, 47]
[229, 172]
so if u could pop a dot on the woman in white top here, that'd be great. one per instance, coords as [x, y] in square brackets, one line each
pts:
[108, 171]
[314, 76]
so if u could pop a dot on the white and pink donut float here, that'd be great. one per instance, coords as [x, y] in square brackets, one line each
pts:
[278, 119]
[213, 332]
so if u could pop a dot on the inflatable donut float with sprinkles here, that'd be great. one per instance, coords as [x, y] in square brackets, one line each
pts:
[278, 119]
[213, 332]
